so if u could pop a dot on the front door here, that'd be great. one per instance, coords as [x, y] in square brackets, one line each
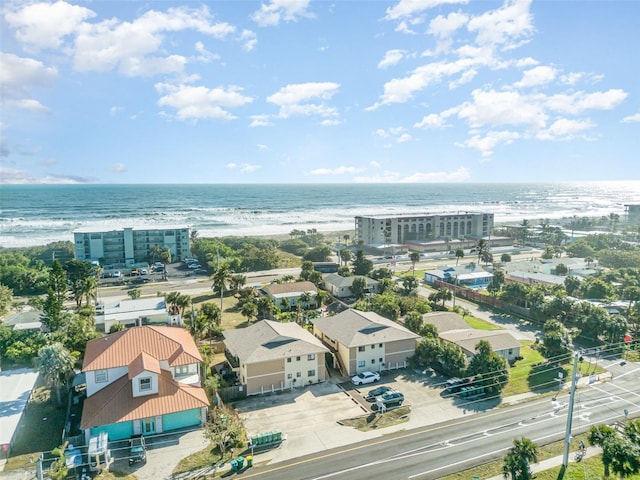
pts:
[149, 425]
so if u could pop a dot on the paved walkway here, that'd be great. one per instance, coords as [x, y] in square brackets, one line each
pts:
[550, 463]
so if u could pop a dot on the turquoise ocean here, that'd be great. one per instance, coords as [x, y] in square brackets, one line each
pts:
[39, 214]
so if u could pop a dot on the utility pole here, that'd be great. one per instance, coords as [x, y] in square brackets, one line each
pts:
[567, 435]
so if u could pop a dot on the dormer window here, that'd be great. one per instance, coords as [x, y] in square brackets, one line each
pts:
[145, 384]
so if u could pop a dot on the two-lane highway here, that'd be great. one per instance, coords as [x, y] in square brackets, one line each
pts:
[435, 451]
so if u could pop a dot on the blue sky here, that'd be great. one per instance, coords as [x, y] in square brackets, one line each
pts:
[296, 91]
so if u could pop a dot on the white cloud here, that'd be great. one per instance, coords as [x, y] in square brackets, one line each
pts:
[205, 55]
[247, 168]
[44, 25]
[18, 75]
[490, 107]
[330, 122]
[410, 8]
[486, 144]
[249, 39]
[444, 27]
[405, 137]
[391, 57]
[381, 133]
[261, 147]
[231, 165]
[194, 103]
[260, 121]
[433, 120]
[579, 102]
[276, 11]
[21, 177]
[293, 99]
[118, 168]
[135, 48]
[564, 129]
[506, 26]
[375, 164]
[341, 170]
[632, 118]
[115, 110]
[458, 175]
[537, 76]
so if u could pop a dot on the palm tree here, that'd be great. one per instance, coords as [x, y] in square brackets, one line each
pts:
[601, 435]
[55, 364]
[459, 254]
[516, 463]
[266, 307]
[211, 312]
[155, 252]
[481, 249]
[524, 233]
[415, 258]
[249, 310]
[237, 281]
[221, 277]
[304, 299]
[346, 238]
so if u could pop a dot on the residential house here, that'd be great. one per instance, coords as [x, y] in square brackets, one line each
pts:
[365, 341]
[340, 287]
[501, 341]
[463, 275]
[29, 320]
[142, 380]
[445, 321]
[141, 311]
[532, 278]
[288, 295]
[270, 356]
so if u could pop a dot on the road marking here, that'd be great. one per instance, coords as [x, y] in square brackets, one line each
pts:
[626, 373]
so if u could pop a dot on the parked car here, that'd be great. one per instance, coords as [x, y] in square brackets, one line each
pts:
[376, 392]
[455, 385]
[194, 266]
[144, 271]
[392, 398]
[116, 274]
[137, 450]
[135, 272]
[365, 377]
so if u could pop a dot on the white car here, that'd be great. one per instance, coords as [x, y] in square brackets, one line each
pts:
[365, 377]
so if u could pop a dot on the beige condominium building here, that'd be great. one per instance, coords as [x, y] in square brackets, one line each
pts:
[385, 229]
[128, 246]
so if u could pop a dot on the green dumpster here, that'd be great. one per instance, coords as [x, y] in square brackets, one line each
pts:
[240, 461]
[249, 461]
[234, 465]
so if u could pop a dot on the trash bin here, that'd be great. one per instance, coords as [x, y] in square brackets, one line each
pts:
[240, 461]
[234, 465]
[249, 461]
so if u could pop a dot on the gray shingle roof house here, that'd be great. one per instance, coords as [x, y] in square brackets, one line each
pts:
[292, 291]
[340, 287]
[501, 341]
[364, 341]
[445, 321]
[270, 356]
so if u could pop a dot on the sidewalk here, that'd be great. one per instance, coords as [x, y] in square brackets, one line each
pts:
[555, 462]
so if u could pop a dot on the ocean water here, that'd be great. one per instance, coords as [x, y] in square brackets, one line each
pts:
[39, 214]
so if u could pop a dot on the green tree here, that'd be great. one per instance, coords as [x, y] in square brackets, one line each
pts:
[409, 285]
[318, 254]
[481, 249]
[345, 256]
[55, 364]
[134, 293]
[572, 285]
[358, 287]
[221, 277]
[211, 312]
[361, 265]
[266, 307]
[77, 272]
[6, 296]
[602, 435]
[414, 322]
[491, 366]
[415, 258]
[505, 258]
[224, 428]
[58, 469]
[459, 254]
[519, 458]
[556, 338]
[561, 269]
[78, 332]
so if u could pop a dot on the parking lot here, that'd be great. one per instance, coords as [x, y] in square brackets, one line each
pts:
[308, 417]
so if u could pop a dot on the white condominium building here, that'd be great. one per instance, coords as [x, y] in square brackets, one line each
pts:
[383, 229]
[128, 246]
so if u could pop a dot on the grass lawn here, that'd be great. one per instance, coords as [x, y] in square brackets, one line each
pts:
[40, 429]
[204, 458]
[231, 317]
[525, 376]
[374, 421]
[480, 324]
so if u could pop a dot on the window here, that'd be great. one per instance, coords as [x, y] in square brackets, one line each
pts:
[510, 351]
[298, 374]
[182, 370]
[311, 373]
[297, 359]
[289, 376]
[380, 360]
[360, 363]
[380, 345]
[373, 346]
[373, 360]
[361, 349]
[101, 376]
[145, 384]
[311, 356]
[289, 360]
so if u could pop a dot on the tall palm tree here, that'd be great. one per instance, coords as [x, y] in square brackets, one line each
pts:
[346, 238]
[459, 254]
[55, 364]
[415, 258]
[221, 277]
[481, 249]
[517, 462]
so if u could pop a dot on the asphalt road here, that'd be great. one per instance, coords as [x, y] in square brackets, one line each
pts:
[435, 451]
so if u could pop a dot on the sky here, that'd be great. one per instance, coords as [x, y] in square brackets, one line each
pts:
[297, 91]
